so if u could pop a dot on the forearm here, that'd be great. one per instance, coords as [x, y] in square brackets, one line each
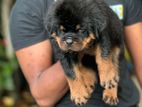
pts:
[46, 80]
[133, 37]
[50, 86]
[137, 60]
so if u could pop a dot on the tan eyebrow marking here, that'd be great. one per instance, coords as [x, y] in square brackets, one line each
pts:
[62, 28]
[88, 39]
[78, 27]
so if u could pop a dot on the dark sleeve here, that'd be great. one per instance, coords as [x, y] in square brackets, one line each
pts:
[133, 13]
[26, 23]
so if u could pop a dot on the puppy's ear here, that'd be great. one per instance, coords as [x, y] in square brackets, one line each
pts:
[49, 21]
[96, 33]
[51, 27]
[99, 24]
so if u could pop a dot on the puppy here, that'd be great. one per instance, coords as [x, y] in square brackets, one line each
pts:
[88, 39]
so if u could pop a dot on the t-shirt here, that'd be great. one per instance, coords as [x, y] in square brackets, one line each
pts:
[129, 11]
[27, 28]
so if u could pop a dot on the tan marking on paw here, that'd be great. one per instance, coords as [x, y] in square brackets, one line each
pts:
[110, 96]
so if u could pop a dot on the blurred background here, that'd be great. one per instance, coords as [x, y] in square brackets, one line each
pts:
[14, 91]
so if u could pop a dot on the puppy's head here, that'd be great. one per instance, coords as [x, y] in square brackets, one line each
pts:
[70, 25]
[76, 39]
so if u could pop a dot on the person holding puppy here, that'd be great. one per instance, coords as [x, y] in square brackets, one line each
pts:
[45, 75]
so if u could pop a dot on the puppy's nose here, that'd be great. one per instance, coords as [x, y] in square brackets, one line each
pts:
[69, 41]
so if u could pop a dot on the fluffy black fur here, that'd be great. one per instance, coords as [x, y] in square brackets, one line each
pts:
[93, 16]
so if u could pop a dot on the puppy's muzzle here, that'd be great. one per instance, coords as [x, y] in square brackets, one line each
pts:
[69, 39]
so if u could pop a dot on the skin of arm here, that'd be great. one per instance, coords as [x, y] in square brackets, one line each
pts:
[47, 81]
[133, 39]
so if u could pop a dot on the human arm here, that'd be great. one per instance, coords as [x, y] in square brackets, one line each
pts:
[46, 81]
[34, 53]
[133, 39]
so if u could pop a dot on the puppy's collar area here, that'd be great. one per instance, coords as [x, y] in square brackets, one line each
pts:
[69, 52]
[71, 55]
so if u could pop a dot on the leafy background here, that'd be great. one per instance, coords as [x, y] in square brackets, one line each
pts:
[14, 91]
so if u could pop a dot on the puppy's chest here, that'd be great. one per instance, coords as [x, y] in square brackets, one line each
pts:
[89, 61]
[90, 50]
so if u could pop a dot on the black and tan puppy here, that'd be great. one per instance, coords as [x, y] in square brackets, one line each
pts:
[88, 39]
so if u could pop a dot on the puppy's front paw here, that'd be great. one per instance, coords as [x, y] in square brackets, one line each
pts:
[110, 96]
[80, 92]
[80, 95]
[81, 88]
[110, 80]
[86, 85]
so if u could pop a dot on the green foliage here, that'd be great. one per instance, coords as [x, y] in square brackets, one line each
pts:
[7, 68]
